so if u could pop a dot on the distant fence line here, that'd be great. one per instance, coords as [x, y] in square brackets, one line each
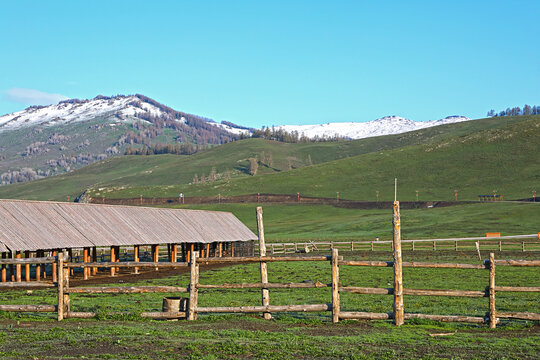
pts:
[509, 243]
[265, 198]
[190, 308]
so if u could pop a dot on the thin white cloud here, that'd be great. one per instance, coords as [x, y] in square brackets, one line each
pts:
[32, 97]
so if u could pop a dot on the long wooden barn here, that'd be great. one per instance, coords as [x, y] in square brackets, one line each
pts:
[94, 233]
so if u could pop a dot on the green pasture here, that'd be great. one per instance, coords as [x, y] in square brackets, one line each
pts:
[324, 222]
[289, 335]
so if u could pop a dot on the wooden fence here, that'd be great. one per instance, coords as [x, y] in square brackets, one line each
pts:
[501, 243]
[63, 306]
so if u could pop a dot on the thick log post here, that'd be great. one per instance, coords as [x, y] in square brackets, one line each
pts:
[27, 267]
[492, 310]
[232, 249]
[85, 259]
[193, 291]
[207, 250]
[60, 286]
[4, 269]
[220, 249]
[335, 286]
[264, 268]
[136, 258]
[18, 267]
[398, 273]
[94, 260]
[113, 259]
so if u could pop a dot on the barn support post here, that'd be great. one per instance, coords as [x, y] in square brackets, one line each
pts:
[12, 267]
[220, 249]
[193, 291]
[492, 309]
[398, 270]
[265, 293]
[27, 267]
[67, 302]
[54, 267]
[113, 259]
[190, 252]
[94, 260]
[70, 254]
[4, 269]
[136, 258]
[38, 266]
[86, 269]
[174, 252]
[335, 286]
[60, 285]
[155, 255]
[232, 249]
[18, 266]
[117, 251]
[208, 250]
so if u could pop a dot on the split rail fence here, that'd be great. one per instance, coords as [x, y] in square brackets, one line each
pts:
[192, 309]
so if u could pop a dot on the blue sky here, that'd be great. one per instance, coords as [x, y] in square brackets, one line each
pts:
[277, 62]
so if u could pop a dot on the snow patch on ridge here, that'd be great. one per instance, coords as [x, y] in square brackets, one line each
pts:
[387, 125]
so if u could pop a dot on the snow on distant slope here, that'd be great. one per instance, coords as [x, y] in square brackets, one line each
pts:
[65, 112]
[355, 130]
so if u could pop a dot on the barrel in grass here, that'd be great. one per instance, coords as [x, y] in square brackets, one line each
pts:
[174, 305]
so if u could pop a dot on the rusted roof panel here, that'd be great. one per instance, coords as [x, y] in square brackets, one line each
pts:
[35, 225]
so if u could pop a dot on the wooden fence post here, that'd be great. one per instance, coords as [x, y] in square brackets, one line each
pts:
[398, 273]
[193, 291]
[335, 286]
[264, 268]
[60, 286]
[492, 310]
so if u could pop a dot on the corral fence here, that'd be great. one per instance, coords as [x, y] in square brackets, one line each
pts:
[191, 307]
[499, 243]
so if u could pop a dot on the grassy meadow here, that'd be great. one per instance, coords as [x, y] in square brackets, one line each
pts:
[474, 157]
[325, 222]
[289, 335]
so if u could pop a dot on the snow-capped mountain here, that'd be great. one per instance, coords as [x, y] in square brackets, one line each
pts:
[118, 109]
[387, 125]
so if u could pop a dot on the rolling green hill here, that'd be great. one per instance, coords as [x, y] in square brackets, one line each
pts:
[472, 157]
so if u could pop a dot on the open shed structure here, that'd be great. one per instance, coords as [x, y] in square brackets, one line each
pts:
[98, 232]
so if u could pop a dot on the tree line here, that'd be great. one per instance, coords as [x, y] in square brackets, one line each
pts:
[516, 111]
[289, 137]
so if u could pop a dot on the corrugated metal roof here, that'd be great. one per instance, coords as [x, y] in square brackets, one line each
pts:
[42, 225]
